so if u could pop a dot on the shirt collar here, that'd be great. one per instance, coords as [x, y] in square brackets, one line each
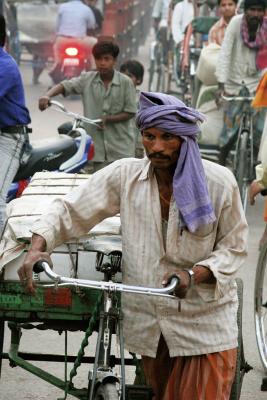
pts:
[115, 79]
[222, 22]
[146, 171]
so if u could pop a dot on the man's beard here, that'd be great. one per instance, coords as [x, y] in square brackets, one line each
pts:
[253, 24]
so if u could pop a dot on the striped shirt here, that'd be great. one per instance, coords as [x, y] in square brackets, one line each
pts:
[217, 31]
[203, 322]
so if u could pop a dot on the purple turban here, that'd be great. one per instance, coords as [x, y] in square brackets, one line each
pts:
[190, 191]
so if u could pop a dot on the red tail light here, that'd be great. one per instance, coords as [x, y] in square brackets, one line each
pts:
[71, 51]
[91, 152]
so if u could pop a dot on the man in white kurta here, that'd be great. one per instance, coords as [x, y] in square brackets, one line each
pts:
[205, 236]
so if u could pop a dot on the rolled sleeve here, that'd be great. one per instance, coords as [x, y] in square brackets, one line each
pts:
[230, 249]
[261, 175]
[74, 85]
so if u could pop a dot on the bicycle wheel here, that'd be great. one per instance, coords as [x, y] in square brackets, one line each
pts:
[260, 305]
[107, 391]
[241, 366]
[242, 165]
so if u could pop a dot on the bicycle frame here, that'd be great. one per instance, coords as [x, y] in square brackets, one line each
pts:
[243, 161]
[110, 319]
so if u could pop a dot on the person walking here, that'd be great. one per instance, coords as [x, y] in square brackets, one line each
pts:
[106, 94]
[135, 70]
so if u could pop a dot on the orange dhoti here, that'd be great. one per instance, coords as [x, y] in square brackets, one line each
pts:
[201, 377]
[260, 99]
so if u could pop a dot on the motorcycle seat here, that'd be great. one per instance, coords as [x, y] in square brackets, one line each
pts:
[48, 157]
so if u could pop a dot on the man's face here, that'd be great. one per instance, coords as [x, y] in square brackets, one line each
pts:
[254, 15]
[105, 64]
[227, 8]
[162, 148]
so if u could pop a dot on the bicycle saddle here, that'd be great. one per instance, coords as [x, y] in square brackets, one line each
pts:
[105, 244]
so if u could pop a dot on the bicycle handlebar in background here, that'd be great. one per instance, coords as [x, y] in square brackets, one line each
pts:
[237, 98]
[59, 281]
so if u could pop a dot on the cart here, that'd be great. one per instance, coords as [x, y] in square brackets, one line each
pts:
[73, 308]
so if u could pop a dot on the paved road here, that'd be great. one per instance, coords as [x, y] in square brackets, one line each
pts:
[16, 384]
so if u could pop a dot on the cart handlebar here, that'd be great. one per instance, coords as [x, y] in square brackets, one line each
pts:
[110, 286]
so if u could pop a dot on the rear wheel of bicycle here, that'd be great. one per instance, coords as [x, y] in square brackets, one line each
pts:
[107, 391]
[240, 360]
[242, 166]
[260, 305]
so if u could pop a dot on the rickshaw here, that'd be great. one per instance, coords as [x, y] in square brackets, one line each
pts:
[74, 303]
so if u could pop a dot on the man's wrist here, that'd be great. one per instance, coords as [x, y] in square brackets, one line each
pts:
[191, 274]
[38, 243]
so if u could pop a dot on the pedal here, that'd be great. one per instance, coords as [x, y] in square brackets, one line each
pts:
[138, 392]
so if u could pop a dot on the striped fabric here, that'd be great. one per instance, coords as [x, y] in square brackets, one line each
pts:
[204, 377]
[203, 322]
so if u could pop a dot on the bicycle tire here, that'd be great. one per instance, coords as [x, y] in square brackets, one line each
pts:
[240, 359]
[241, 170]
[260, 308]
[107, 391]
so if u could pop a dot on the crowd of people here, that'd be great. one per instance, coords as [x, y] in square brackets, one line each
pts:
[180, 215]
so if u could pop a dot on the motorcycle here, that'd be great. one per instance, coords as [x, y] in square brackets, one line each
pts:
[73, 60]
[69, 153]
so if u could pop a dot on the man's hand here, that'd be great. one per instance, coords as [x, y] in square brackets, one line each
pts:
[103, 121]
[181, 289]
[218, 94]
[25, 271]
[254, 189]
[36, 253]
[44, 102]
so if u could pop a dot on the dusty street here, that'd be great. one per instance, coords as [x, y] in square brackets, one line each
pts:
[17, 384]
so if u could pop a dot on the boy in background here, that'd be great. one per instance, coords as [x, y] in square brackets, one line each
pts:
[135, 70]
